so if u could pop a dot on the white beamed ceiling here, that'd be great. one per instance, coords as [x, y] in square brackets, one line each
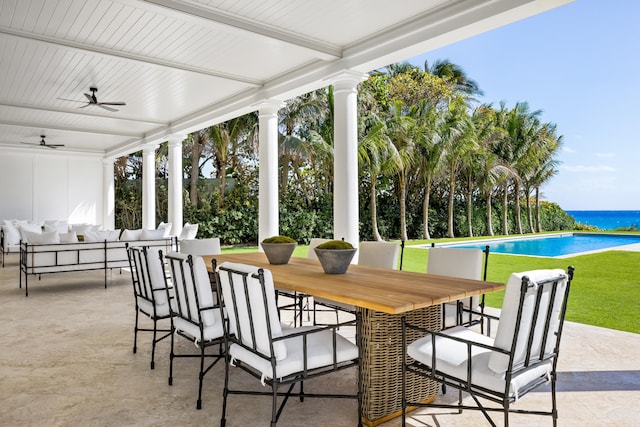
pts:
[181, 65]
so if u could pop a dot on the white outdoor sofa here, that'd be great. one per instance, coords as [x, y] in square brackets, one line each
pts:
[67, 257]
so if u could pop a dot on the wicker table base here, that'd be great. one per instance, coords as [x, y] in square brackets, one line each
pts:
[381, 372]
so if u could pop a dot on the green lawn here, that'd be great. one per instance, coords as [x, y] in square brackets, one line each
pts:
[605, 290]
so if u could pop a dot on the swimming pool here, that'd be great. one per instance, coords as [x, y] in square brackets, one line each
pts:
[556, 245]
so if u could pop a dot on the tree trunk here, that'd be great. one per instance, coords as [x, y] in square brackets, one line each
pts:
[516, 193]
[452, 184]
[505, 204]
[538, 222]
[469, 208]
[489, 215]
[529, 216]
[425, 209]
[374, 209]
[403, 209]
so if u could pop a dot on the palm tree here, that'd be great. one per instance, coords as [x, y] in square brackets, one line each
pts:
[458, 138]
[429, 151]
[401, 132]
[453, 73]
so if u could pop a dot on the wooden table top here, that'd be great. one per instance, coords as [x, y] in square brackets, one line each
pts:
[388, 291]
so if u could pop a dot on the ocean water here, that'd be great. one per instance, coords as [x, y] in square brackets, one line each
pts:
[607, 220]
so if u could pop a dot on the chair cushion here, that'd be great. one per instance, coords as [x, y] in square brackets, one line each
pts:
[210, 332]
[162, 310]
[506, 327]
[379, 254]
[157, 276]
[203, 286]
[257, 304]
[451, 359]
[319, 353]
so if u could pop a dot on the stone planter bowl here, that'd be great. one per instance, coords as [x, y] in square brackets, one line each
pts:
[278, 253]
[335, 261]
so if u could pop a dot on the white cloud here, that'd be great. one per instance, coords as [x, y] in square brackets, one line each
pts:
[583, 168]
[605, 155]
[568, 150]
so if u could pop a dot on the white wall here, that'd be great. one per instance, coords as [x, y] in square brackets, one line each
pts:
[40, 186]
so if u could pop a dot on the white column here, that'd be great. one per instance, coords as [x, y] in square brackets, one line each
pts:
[268, 208]
[345, 157]
[149, 186]
[108, 194]
[176, 173]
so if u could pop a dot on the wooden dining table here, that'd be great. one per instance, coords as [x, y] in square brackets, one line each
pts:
[381, 297]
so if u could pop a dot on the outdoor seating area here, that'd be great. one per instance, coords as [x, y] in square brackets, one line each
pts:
[72, 364]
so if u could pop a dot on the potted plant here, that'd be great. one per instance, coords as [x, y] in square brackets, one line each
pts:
[278, 249]
[335, 256]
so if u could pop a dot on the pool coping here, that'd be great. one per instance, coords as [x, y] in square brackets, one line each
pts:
[632, 247]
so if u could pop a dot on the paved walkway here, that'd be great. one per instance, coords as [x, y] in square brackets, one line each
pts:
[66, 360]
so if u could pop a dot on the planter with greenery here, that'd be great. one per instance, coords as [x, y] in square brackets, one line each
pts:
[335, 256]
[278, 249]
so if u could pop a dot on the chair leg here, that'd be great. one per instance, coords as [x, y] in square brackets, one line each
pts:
[274, 406]
[201, 376]
[225, 390]
[153, 343]
[135, 333]
[171, 356]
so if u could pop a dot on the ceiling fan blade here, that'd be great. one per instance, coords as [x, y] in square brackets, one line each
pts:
[54, 145]
[107, 108]
[89, 97]
[85, 105]
[112, 103]
[28, 143]
[72, 100]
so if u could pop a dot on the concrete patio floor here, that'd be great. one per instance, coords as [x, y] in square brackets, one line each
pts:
[67, 360]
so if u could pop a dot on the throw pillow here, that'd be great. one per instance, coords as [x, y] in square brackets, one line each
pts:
[189, 231]
[69, 237]
[46, 238]
[31, 228]
[11, 233]
[166, 227]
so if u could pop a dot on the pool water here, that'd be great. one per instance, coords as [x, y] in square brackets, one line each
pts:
[556, 245]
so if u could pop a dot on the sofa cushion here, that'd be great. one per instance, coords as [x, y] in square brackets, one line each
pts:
[129, 235]
[101, 236]
[152, 234]
[81, 228]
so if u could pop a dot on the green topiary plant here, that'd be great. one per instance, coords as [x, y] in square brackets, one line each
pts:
[335, 244]
[279, 239]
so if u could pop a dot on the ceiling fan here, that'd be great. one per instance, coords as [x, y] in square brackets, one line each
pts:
[43, 143]
[93, 100]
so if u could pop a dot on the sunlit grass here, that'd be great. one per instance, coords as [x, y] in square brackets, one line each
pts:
[605, 290]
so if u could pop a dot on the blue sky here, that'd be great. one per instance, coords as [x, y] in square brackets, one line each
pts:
[580, 65]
